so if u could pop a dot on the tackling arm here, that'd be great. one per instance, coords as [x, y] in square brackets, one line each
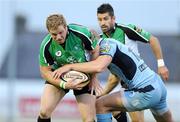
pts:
[98, 65]
[94, 66]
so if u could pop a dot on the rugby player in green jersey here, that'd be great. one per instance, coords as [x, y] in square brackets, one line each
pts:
[128, 35]
[66, 44]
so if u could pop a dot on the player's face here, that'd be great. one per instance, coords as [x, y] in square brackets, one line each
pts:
[106, 22]
[59, 35]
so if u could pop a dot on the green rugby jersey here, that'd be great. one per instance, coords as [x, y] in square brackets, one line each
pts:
[78, 42]
[120, 31]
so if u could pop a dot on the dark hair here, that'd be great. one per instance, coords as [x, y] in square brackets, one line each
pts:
[104, 8]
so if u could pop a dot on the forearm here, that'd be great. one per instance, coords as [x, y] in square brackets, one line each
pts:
[155, 45]
[88, 67]
[47, 75]
[111, 84]
[96, 66]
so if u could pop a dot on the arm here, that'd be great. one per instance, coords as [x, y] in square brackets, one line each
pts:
[95, 84]
[95, 66]
[111, 84]
[95, 53]
[156, 48]
[46, 74]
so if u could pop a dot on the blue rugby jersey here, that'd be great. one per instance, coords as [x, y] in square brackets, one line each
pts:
[126, 64]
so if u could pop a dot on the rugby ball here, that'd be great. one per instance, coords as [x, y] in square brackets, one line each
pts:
[83, 77]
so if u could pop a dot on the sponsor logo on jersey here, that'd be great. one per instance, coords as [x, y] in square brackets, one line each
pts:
[105, 49]
[58, 53]
[71, 59]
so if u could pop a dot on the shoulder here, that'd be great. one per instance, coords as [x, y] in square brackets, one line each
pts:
[128, 26]
[108, 41]
[78, 28]
[46, 41]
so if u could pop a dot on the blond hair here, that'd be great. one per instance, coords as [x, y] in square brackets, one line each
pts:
[55, 20]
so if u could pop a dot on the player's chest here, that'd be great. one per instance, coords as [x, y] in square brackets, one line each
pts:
[117, 34]
[70, 53]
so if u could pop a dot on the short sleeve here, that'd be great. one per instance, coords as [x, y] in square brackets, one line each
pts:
[108, 47]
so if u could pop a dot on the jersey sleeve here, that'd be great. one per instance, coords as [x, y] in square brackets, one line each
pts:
[107, 47]
[45, 58]
[88, 39]
[144, 34]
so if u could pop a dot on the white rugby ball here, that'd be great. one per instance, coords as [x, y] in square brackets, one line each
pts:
[75, 74]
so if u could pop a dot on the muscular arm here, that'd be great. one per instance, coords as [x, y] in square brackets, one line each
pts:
[98, 65]
[46, 74]
[156, 48]
[95, 66]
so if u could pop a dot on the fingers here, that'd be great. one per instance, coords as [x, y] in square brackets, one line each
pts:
[163, 71]
[56, 74]
[99, 91]
[79, 88]
[76, 84]
[92, 90]
[165, 76]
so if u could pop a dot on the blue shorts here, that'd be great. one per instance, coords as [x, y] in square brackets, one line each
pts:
[151, 96]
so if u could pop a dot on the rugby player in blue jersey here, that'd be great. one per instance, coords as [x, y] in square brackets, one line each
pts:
[145, 88]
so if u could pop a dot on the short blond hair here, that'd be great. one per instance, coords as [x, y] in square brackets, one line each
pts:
[54, 20]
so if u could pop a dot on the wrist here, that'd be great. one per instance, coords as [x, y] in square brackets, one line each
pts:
[160, 62]
[62, 84]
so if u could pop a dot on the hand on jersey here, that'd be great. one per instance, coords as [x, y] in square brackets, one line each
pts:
[163, 71]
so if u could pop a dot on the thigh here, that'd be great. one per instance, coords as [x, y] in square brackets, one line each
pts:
[137, 101]
[161, 106]
[50, 98]
[86, 105]
[137, 116]
[110, 102]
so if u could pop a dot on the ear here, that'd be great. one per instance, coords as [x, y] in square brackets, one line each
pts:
[113, 18]
[65, 27]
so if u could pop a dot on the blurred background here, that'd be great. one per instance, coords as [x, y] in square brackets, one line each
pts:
[22, 28]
